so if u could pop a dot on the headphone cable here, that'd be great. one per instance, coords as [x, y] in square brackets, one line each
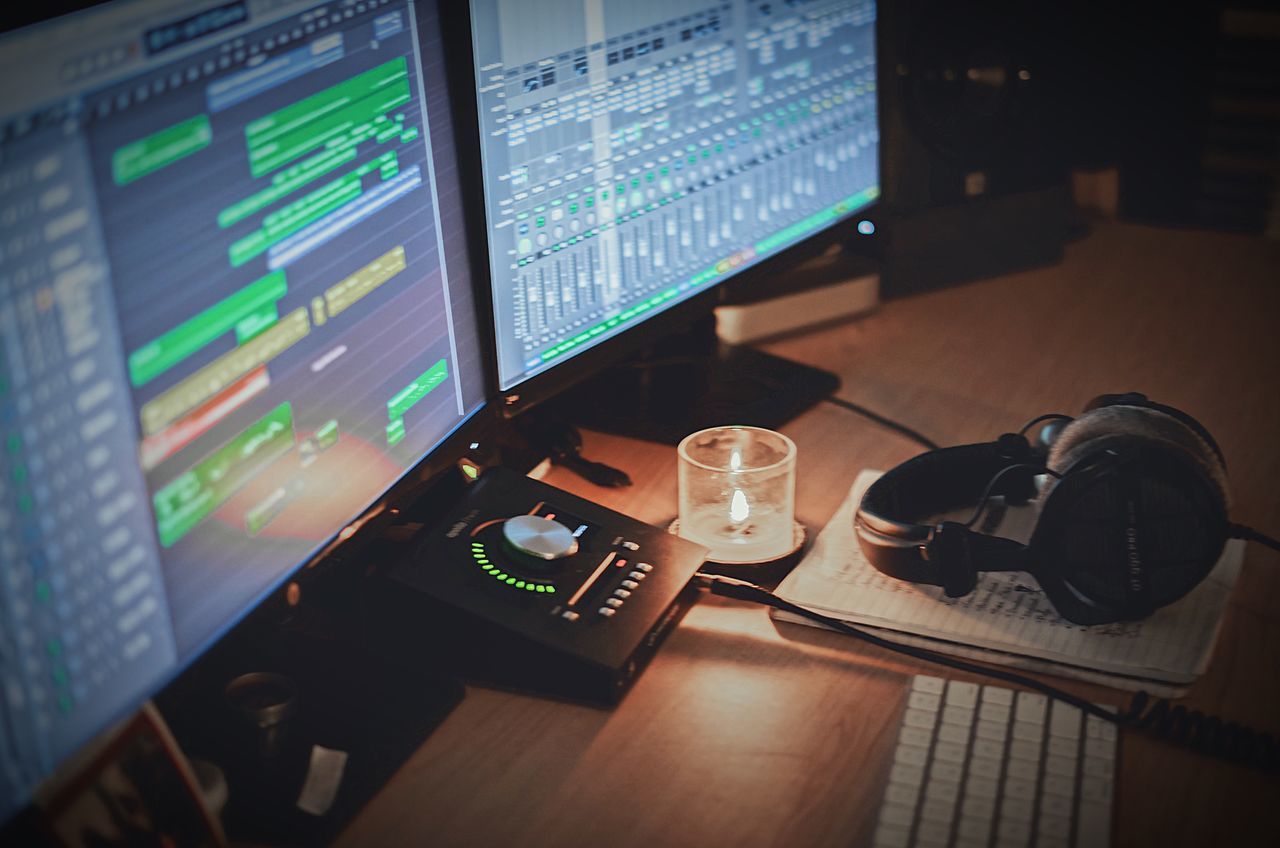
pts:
[896, 426]
[1188, 728]
[1239, 531]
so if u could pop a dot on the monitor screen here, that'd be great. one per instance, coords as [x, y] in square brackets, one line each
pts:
[235, 308]
[638, 153]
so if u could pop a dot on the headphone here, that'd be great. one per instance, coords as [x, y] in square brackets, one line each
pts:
[1132, 504]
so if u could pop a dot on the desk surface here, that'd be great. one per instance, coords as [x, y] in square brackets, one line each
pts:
[747, 732]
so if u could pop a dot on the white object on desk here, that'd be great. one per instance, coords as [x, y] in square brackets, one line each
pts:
[982, 765]
[746, 323]
[1007, 619]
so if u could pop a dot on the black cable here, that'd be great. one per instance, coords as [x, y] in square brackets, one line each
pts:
[1188, 728]
[1239, 531]
[740, 589]
[883, 421]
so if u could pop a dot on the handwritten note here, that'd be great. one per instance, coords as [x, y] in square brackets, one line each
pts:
[1007, 619]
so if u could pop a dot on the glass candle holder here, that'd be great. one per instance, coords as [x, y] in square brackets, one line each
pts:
[737, 490]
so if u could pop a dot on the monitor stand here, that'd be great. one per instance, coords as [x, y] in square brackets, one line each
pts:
[691, 381]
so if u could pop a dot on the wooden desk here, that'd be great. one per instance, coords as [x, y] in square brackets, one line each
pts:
[747, 732]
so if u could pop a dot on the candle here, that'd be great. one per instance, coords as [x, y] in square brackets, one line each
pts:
[737, 493]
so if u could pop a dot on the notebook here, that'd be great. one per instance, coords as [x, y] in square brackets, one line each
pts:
[1007, 619]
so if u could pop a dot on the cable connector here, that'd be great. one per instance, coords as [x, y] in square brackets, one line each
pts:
[731, 587]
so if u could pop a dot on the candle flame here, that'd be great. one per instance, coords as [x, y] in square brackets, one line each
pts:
[735, 460]
[738, 508]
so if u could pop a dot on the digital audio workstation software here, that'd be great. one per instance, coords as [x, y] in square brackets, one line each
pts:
[234, 309]
[637, 153]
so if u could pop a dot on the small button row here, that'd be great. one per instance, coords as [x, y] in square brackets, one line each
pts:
[626, 587]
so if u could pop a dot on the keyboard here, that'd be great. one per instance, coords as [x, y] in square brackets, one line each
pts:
[991, 766]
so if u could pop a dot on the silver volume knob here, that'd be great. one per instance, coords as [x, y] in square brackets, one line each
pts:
[539, 537]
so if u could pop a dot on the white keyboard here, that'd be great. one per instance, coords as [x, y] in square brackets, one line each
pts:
[990, 766]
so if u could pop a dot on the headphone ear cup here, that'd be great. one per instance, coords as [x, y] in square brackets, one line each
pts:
[1137, 519]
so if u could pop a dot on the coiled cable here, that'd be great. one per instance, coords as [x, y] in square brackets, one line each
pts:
[1207, 734]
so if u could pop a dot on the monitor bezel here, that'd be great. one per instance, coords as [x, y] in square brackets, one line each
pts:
[560, 377]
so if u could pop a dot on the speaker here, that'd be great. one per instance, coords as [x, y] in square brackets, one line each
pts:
[973, 138]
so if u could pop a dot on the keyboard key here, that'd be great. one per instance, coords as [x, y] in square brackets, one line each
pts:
[899, 814]
[1031, 707]
[1096, 767]
[1054, 785]
[974, 828]
[962, 694]
[914, 736]
[926, 701]
[1094, 824]
[925, 683]
[892, 836]
[1051, 825]
[983, 767]
[1096, 728]
[1019, 788]
[989, 730]
[902, 793]
[1064, 721]
[937, 810]
[994, 712]
[997, 695]
[1016, 809]
[932, 833]
[1025, 749]
[1026, 731]
[1064, 747]
[942, 790]
[946, 772]
[949, 752]
[1056, 805]
[1100, 748]
[982, 787]
[1095, 789]
[1061, 766]
[906, 773]
[919, 718]
[978, 808]
[1023, 769]
[1017, 832]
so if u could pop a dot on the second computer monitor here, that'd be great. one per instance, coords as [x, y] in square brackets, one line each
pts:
[637, 154]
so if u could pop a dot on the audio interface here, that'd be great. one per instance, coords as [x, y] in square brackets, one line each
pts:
[528, 587]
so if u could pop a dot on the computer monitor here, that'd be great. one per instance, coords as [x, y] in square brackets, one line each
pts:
[235, 309]
[638, 154]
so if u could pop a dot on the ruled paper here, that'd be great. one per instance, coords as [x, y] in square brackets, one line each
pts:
[1007, 619]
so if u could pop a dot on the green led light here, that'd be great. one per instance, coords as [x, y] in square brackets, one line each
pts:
[541, 588]
[519, 584]
[501, 575]
[483, 561]
[488, 568]
[511, 581]
[528, 587]
[551, 590]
